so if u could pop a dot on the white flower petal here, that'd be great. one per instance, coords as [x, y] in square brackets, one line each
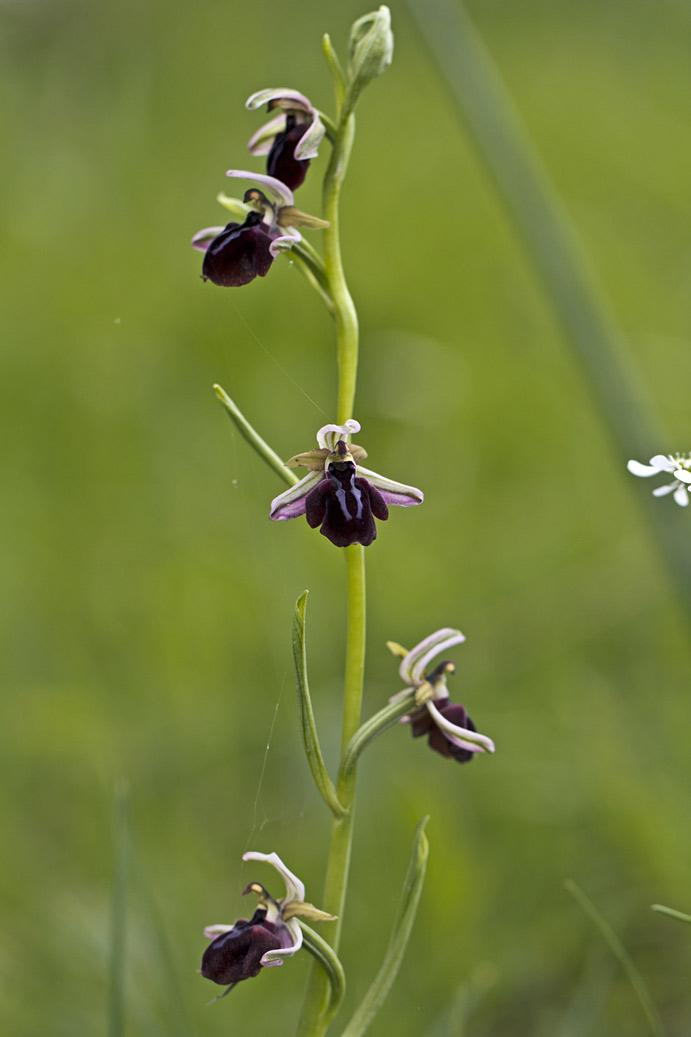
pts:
[260, 143]
[410, 669]
[281, 194]
[308, 145]
[644, 470]
[276, 956]
[203, 238]
[663, 462]
[295, 100]
[682, 474]
[295, 889]
[662, 491]
[329, 435]
[681, 496]
[473, 741]
[398, 493]
[212, 931]
[290, 237]
[291, 503]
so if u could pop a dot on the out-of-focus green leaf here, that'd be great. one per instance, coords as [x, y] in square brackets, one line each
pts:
[407, 908]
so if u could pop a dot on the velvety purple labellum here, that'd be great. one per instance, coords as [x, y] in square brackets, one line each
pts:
[423, 724]
[281, 162]
[237, 954]
[239, 253]
[345, 507]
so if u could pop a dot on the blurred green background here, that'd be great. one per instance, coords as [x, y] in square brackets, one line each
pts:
[147, 599]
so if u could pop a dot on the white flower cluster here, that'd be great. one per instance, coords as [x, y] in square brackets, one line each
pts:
[677, 464]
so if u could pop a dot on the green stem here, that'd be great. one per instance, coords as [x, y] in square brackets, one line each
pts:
[344, 309]
[313, 1023]
[315, 1018]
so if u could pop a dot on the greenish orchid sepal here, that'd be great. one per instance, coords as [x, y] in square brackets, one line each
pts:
[327, 958]
[300, 909]
[671, 911]
[291, 217]
[310, 738]
[400, 935]
[253, 438]
[234, 205]
[337, 74]
[370, 52]
[372, 728]
[316, 460]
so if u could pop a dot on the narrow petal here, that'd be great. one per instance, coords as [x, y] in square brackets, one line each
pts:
[398, 493]
[212, 931]
[308, 145]
[681, 496]
[664, 462]
[644, 470]
[290, 929]
[291, 98]
[413, 665]
[291, 503]
[285, 242]
[261, 141]
[329, 435]
[203, 238]
[295, 889]
[473, 741]
[662, 491]
[281, 194]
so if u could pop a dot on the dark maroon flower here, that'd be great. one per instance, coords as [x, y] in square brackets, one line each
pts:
[237, 954]
[339, 494]
[291, 138]
[450, 730]
[239, 252]
[273, 933]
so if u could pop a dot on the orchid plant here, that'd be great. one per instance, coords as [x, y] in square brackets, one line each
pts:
[345, 500]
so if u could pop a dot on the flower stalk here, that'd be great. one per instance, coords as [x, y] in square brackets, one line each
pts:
[315, 1018]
